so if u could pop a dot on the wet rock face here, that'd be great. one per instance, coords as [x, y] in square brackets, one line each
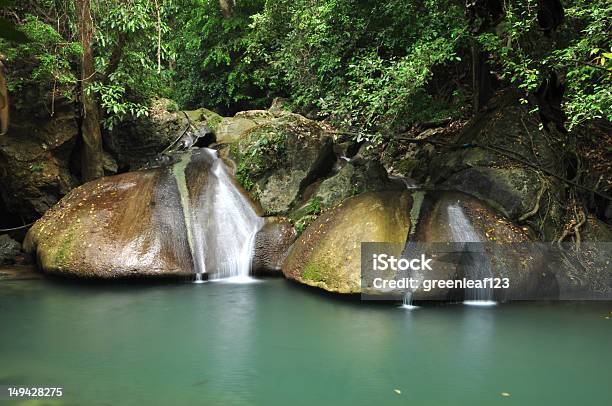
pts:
[327, 255]
[272, 245]
[511, 190]
[172, 221]
[456, 217]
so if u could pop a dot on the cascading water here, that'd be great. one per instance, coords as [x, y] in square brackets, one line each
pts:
[232, 224]
[474, 258]
[221, 222]
[415, 212]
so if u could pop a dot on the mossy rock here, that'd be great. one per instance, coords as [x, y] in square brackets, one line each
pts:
[231, 129]
[328, 254]
[278, 159]
[136, 142]
[9, 249]
[211, 118]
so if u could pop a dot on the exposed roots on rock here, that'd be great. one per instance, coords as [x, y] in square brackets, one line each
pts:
[575, 224]
[536, 206]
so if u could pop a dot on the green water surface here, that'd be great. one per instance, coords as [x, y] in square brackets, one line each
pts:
[275, 343]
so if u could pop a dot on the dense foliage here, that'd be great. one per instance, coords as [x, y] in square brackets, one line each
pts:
[127, 73]
[44, 67]
[132, 48]
[366, 66]
[580, 50]
[213, 67]
[380, 66]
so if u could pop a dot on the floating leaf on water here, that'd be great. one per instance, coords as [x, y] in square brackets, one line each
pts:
[397, 391]
[505, 394]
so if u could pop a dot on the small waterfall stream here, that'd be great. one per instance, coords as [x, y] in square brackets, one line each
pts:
[221, 222]
[415, 213]
[474, 258]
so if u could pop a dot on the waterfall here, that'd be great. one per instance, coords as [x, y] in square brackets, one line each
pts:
[221, 222]
[407, 302]
[473, 257]
[232, 224]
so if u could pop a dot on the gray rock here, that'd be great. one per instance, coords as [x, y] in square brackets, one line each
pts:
[136, 142]
[511, 191]
[357, 176]
[9, 249]
[490, 173]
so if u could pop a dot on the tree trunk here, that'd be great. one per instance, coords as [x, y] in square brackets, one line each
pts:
[158, 37]
[92, 154]
[4, 103]
[481, 78]
[226, 7]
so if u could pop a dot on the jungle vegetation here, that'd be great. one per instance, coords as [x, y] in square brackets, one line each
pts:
[365, 66]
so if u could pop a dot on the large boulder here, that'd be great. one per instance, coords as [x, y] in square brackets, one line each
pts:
[173, 221]
[119, 226]
[279, 158]
[355, 177]
[328, 254]
[231, 129]
[272, 245]
[165, 222]
[503, 249]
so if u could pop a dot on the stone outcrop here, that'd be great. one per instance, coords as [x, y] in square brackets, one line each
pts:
[328, 256]
[35, 161]
[231, 129]
[119, 226]
[505, 184]
[355, 177]
[171, 221]
[279, 158]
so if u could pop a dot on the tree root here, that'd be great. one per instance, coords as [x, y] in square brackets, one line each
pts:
[573, 228]
[536, 207]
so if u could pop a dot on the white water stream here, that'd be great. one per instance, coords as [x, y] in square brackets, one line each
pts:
[221, 222]
[476, 263]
